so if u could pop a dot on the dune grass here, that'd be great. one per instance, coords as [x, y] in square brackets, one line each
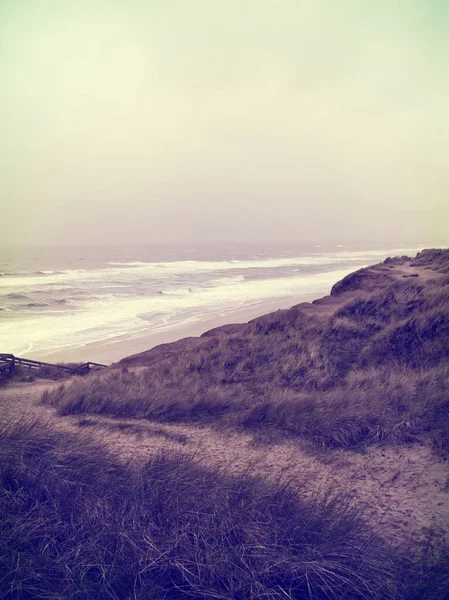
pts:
[78, 522]
[376, 369]
[75, 522]
[374, 405]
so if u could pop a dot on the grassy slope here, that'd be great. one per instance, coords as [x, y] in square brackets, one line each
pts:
[75, 522]
[368, 363]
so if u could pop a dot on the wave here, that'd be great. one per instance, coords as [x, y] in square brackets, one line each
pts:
[58, 277]
[318, 258]
[129, 272]
[225, 281]
[111, 316]
[17, 306]
[37, 305]
[178, 291]
[16, 296]
[28, 273]
[212, 283]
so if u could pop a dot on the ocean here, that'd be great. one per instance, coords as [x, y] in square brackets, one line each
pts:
[58, 299]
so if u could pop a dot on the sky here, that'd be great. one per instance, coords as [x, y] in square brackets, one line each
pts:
[132, 121]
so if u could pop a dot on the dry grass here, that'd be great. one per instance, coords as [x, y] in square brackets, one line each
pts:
[374, 405]
[135, 428]
[376, 369]
[77, 523]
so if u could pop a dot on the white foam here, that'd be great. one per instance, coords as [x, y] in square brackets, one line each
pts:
[129, 271]
[110, 316]
[190, 266]
[191, 290]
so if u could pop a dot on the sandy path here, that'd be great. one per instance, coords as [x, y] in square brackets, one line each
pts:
[405, 490]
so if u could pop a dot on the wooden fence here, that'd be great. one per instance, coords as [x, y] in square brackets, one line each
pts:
[9, 362]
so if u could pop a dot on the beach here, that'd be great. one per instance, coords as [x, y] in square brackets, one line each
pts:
[101, 305]
[112, 350]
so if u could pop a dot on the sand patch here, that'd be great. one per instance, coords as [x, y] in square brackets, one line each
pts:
[405, 490]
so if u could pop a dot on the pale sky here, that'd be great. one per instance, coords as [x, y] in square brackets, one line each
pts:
[239, 120]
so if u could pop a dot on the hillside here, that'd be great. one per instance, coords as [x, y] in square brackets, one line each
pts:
[367, 363]
[303, 455]
[427, 265]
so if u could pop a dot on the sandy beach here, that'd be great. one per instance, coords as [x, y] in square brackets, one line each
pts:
[114, 349]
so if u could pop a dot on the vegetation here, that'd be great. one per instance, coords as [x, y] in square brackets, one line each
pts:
[77, 523]
[45, 372]
[368, 364]
[375, 368]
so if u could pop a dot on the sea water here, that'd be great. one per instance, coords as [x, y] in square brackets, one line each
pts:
[64, 298]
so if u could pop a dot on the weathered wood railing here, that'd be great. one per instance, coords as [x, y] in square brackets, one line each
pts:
[9, 362]
[6, 364]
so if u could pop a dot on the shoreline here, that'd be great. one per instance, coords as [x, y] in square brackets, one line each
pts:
[114, 349]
